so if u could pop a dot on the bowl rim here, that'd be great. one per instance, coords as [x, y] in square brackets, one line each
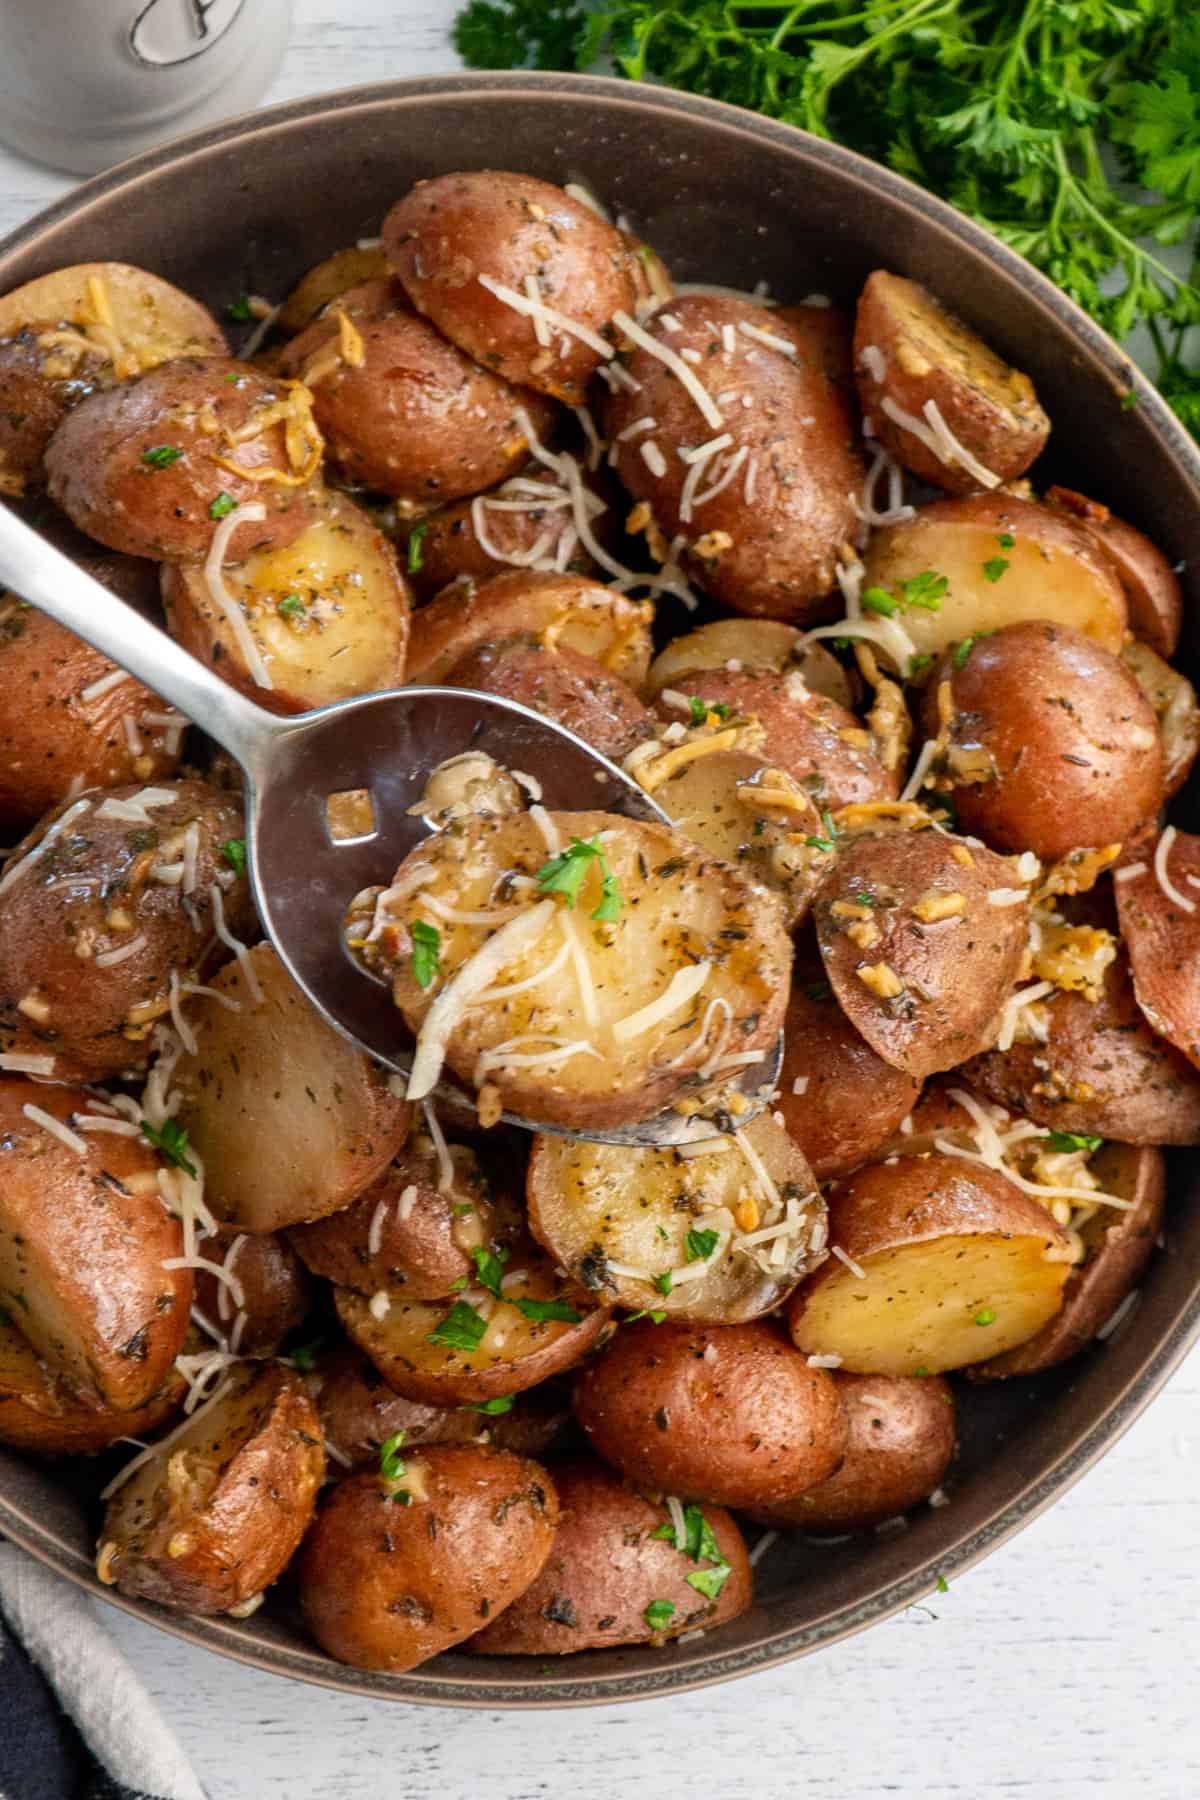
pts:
[885, 1596]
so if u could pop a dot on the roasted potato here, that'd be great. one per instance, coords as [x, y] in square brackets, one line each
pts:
[401, 410]
[681, 1233]
[1052, 570]
[727, 1413]
[1175, 707]
[477, 251]
[817, 741]
[527, 522]
[317, 620]
[736, 644]
[478, 1345]
[414, 1231]
[216, 1514]
[572, 689]
[66, 334]
[922, 938]
[901, 1440]
[838, 1099]
[942, 402]
[74, 720]
[40, 1415]
[263, 1296]
[562, 611]
[615, 1574]
[98, 936]
[1161, 930]
[1116, 1247]
[359, 1412]
[290, 1121]
[85, 1244]
[824, 338]
[1152, 591]
[150, 467]
[936, 1261]
[328, 280]
[386, 1586]
[1052, 745]
[688, 929]
[763, 514]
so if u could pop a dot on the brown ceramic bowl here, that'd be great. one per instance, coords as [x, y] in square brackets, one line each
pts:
[727, 197]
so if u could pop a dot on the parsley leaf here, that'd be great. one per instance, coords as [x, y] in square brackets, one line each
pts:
[566, 873]
[239, 310]
[994, 568]
[659, 1613]
[965, 648]
[292, 607]
[503, 1403]
[700, 709]
[878, 600]
[416, 537]
[700, 1245]
[170, 1139]
[222, 506]
[1073, 1140]
[489, 1268]
[986, 1316]
[709, 1582]
[461, 1329]
[610, 900]
[663, 1282]
[161, 456]
[391, 1463]
[925, 590]
[426, 952]
[233, 851]
[539, 1310]
[655, 1318]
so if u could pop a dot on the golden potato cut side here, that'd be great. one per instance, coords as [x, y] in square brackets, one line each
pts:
[754, 643]
[936, 1261]
[40, 1415]
[328, 280]
[585, 1021]
[569, 611]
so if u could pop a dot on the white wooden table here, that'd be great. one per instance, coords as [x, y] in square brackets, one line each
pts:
[1064, 1667]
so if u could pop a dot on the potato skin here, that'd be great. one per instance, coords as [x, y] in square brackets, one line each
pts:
[444, 545]
[566, 611]
[96, 472]
[851, 1100]
[929, 355]
[1117, 1252]
[573, 690]
[415, 419]
[445, 234]
[91, 891]
[604, 1569]
[83, 1239]
[386, 1587]
[780, 560]
[275, 1288]
[957, 971]
[1071, 745]
[33, 403]
[820, 743]
[1163, 940]
[40, 1415]
[328, 280]
[204, 1548]
[824, 338]
[650, 1403]
[733, 643]
[1102, 1071]
[901, 1440]
[1152, 591]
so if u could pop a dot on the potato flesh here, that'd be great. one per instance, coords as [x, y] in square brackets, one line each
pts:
[919, 1307]
[755, 643]
[154, 321]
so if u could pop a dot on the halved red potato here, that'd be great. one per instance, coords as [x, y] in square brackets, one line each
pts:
[457, 239]
[1099, 1069]
[401, 410]
[1160, 924]
[1053, 746]
[686, 1233]
[1116, 1247]
[727, 1413]
[1053, 569]
[687, 931]
[762, 494]
[922, 937]
[386, 1586]
[945, 405]
[824, 337]
[734, 644]
[263, 1296]
[42, 1416]
[275, 1073]
[1175, 707]
[305, 624]
[900, 1443]
[936, 1262]
[528, 519]
[616, 1576]
[151, 467]
[218, 1511]
[476, 1346]
[562, 684]
[1152, 591]
[65, 334]
[839, 1100]
[561, 610]
[328, 280]
[85, 1241]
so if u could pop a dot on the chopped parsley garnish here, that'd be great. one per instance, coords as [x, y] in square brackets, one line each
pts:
[943, 1586]
[170, 1140]
[292, 607]
[426, 952]
[610, 900]
[818, 843]
[503, 1403]
[655, 1318]
[659, 1614]
[663, 1282]
[391, 1463]
[161, 456]
[986, 1316]
[1073, 1140]
[827, 821]
[239, 310]
[489, 1268]
[994, 567]
[222, 505]
[700, 1245]
[416, 538]
[878, 600]
[965, 648]
[709, 1582]
[461, 1329]
[540, 1310]
[700, 1544]
[700, 709]
[233, 851]
[304, 1356]
[917, 665]
[925, 590]
[566, 873]
[456, 1287]
[1005, 539]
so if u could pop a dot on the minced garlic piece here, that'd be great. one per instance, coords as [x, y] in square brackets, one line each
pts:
[933, 906]
[881, 978]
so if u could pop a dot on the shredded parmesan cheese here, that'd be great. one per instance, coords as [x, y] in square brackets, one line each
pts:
[632, 330]
[538, 312]
[214, 581]
[37, 1116]
[683, 986]
[1162, 852]
[938, 439]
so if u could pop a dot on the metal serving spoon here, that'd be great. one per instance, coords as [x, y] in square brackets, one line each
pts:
[303, 877]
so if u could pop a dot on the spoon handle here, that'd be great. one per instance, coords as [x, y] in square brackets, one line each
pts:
[42, 575]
